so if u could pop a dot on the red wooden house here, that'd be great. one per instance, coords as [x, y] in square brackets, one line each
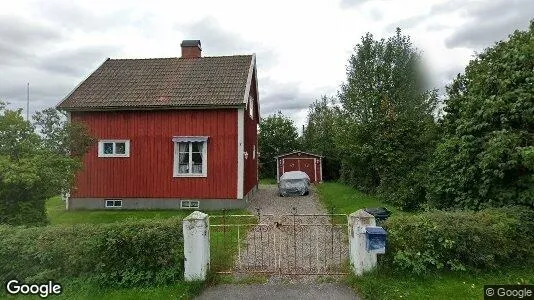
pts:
[311, 164]
[172, 132]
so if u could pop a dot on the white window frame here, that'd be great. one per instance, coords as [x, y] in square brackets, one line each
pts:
[101, 148]
[186, 204]
[177, 141]
[253, 151]
[114, 203]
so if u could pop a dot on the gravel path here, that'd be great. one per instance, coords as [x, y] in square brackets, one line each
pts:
[294, 248]
[284, 243]
[279, 292]
[268, 201]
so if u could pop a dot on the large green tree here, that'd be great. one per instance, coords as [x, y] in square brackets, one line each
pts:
[318, 135]
[36, 166]
[386, 129]
[486, 154]
[278, 135]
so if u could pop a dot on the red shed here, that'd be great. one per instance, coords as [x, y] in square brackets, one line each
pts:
[311, 164]
[171, 132]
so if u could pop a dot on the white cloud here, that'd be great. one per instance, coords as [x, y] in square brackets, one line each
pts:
[302, 46]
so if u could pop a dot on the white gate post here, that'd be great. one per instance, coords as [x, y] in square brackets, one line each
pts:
[360, 259]
[196, 230]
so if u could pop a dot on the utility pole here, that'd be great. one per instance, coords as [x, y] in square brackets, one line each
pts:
[28, 102]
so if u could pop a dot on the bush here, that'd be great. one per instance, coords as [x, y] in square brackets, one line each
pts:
[460, 241]
[118, 254]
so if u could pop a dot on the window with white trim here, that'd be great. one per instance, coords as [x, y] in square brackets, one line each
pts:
[190, 156]
[113, 203]
[114, 148]
[253, 151]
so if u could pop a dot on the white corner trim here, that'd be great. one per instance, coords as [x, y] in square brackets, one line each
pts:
[240, 151]
[321, 168]
[315, 169]
[277, 170]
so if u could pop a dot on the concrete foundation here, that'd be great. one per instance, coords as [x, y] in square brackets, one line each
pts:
[159, 203]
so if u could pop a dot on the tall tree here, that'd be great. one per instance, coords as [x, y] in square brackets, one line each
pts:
[278, 135]
[486, 154]
[31, 169]
[318, 135]
[387, 127]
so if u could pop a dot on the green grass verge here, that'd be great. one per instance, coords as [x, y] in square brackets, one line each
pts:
[268, 181]
[80, 289]
[384, 285]
[339, 198]
[57, 214]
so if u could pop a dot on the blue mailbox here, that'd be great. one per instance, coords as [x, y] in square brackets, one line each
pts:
[376, 239]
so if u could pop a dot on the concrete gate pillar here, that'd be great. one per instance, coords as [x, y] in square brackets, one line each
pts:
[361, 260]
[196, 229]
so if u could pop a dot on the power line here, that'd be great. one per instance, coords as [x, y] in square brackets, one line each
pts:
[28, 102]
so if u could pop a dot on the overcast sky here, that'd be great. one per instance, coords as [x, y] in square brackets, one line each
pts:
[302, 47]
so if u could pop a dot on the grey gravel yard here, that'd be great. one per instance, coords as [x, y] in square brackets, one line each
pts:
[269, 202]
[271, 247]
[301, 244]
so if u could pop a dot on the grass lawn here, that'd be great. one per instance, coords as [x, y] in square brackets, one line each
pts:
[222, 257]
[268, 181]
[383, 284]
[57, 214]
[78, 290]
[378, 285]
[339, 198]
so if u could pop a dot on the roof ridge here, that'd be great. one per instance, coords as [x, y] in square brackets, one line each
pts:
[154, 58]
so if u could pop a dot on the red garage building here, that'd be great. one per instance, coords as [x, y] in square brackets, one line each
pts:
[311, 164]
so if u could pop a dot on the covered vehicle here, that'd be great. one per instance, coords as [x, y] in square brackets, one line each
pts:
[294, 183]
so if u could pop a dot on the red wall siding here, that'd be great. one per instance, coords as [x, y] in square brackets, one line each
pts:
[148, 172]
[292, 159]
[251, 139]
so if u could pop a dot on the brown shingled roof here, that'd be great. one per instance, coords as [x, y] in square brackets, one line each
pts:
[163, 83]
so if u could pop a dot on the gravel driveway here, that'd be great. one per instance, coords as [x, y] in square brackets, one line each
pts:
[268, 201]
[295, 248]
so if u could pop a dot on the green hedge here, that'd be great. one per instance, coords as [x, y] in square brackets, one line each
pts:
[118, 254]
[460, 241]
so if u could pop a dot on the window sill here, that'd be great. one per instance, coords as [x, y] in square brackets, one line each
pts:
[189, 175]
[113, 155]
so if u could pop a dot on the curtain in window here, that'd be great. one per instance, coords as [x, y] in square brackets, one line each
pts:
[197, 156]
[183, 157]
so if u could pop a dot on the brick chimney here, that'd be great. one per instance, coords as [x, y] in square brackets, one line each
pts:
[191, 49]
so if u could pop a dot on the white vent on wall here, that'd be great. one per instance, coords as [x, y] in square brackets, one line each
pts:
[111, 203]
[188, 204]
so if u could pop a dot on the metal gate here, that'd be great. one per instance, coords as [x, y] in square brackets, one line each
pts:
[291, 244]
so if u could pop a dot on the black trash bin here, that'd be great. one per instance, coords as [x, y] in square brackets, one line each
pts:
[380, 213]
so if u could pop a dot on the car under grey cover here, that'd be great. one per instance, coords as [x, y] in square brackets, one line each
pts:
[293, 183]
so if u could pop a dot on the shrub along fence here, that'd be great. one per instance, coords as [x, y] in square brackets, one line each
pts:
[460, 241]
[125, 254]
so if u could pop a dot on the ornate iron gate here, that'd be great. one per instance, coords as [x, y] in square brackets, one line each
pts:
[292, 244]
